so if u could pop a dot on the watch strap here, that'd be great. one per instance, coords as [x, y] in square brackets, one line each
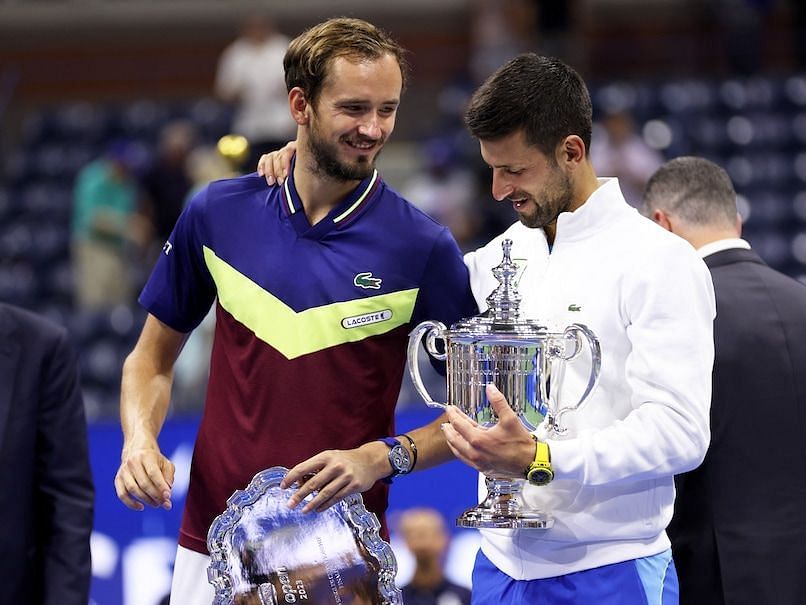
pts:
[393, 443]
[541, 465]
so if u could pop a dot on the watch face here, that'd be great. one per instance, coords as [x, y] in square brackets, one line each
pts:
[540, 476]
[399, 457]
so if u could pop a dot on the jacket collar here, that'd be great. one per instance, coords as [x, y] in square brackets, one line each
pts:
[600, 210]
[731, 256]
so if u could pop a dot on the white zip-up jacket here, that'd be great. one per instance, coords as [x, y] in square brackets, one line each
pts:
[649, 298]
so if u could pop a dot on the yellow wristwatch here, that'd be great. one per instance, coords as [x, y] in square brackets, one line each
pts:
[539, 471]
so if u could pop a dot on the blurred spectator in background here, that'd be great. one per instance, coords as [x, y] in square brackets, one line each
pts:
[107, 230]
[250, 75]
[191, 371]
[617, 150]
[206, 164]
[447, 192]
[46, 503]
[554, 27]
[166, 181]
[798, 10]
[499, 31]
[737, 532]
[740, 25]
[424, 532]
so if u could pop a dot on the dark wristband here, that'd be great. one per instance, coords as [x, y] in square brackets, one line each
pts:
[413, 451]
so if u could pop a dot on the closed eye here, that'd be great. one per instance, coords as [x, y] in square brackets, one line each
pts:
[354, 108]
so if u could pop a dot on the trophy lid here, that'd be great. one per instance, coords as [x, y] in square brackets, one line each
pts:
[502, 319]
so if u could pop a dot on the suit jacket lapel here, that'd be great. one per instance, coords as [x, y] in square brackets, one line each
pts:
[9, 356]
[732, 255]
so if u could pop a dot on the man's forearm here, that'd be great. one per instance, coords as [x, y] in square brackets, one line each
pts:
[144, 399]
[432, 449]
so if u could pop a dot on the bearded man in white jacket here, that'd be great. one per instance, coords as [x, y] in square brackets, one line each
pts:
[586, 256]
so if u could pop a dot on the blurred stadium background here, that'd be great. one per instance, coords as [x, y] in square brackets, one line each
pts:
[725, 79]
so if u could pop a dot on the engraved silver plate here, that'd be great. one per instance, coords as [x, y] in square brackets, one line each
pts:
[263, 553]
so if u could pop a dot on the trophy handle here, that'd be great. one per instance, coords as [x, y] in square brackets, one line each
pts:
[578, 331]
[432, 330]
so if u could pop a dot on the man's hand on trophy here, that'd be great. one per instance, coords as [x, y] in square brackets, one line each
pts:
[503, 450]
[276, 165]
[336, 474]
[145, 476]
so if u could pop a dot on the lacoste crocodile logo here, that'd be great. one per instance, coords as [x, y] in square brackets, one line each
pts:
[574, 308]
[366, 281]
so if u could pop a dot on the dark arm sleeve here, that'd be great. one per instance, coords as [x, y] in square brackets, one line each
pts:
[65, 494]
[445, 286]
[445, 293]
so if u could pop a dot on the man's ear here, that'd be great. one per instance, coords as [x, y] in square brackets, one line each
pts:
[299, 106]
[660, 217]
[571, 152]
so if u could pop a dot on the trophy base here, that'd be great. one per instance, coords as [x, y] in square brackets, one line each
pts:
[486, 519]
[502, 509]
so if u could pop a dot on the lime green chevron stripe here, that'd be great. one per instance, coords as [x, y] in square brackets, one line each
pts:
[299, 333]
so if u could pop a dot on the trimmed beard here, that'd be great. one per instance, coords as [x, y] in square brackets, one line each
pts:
[326, 160]
[555, 201]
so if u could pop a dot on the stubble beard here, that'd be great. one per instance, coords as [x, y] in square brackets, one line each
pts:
[326, 160]
[555, 200]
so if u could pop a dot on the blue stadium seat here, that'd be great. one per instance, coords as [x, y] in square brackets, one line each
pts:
[770, 210]
[81, 122]
[143, 119]
[798, 247]
[7, 209]
[798, 199]
[748, 94]
[48, 202]
[773, 247]
[212, 118]
[707, 133]
[18, 283]
[19, 168]
[795, 91]
[688, 96]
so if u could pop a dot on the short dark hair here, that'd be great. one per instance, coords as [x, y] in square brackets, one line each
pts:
[309, 55]
[694, 189]
[543, 96]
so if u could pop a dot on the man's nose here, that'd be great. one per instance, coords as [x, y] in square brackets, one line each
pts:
[370, 127]
[501, 187]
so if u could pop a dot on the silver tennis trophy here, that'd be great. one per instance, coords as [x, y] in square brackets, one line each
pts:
[264, 553]
[526, 362]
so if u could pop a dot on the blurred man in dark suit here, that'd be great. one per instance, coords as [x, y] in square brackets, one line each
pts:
[738, 534]
[46, 502]
[424, 532]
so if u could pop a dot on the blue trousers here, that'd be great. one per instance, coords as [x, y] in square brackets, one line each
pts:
[645, 581]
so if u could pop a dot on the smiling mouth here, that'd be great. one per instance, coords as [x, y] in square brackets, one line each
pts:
[362, 145]
[518, 203]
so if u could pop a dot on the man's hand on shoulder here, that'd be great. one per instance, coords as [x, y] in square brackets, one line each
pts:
[276, 165]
